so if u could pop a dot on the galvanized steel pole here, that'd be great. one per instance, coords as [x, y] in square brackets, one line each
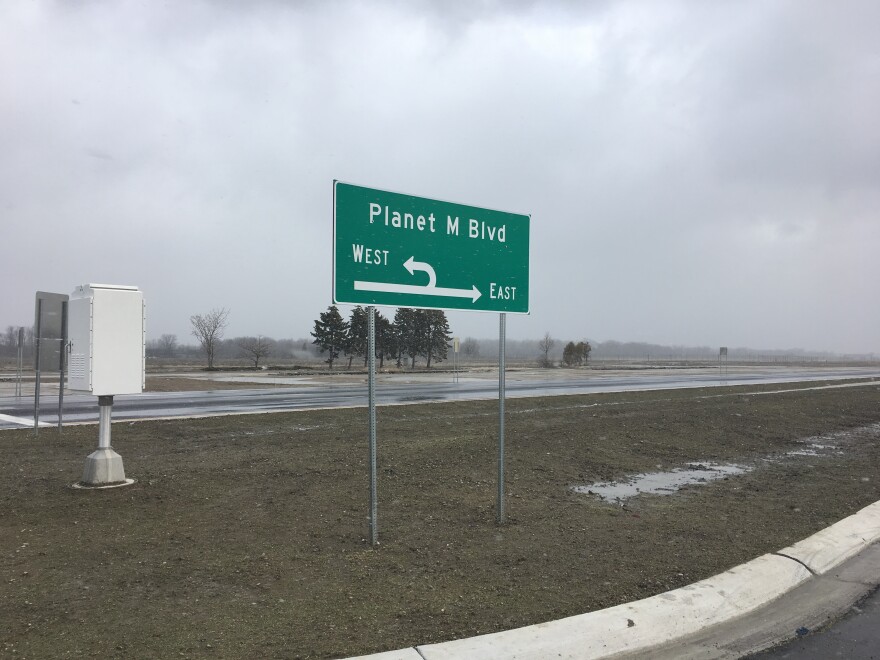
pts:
[18, 389]
[371, 387]
[62, 355]
[39, 329]
[502, 337]
[105, 408]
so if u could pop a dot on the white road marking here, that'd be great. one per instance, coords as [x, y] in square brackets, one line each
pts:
[24, 421]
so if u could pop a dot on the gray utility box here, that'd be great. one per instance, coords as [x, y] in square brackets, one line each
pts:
[106, 328]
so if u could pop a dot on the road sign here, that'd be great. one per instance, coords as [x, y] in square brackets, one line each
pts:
[405, 251]
[48, 325]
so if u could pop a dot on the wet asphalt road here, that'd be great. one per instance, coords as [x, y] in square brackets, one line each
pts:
[855, 637]
[16, 413]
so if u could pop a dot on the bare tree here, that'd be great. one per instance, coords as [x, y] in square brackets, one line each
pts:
[168, 345]
[9, 341]
[208, 329]
[256, 348]
[470, 347]
[545, 346]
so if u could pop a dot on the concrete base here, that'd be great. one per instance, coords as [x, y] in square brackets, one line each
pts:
[103, 467]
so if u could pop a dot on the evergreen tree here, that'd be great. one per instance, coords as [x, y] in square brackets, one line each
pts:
[570, 355]
[576, 355]
[396, 326]
[330, 333]
[410, 333]
[386, 338]
[437, 335]
[358, 335]
[583, 352]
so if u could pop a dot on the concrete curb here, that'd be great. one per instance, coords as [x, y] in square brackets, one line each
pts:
[639, 625]
[401, 654]
[672, 615]
[834, 545]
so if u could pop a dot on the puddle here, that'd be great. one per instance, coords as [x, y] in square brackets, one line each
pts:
[670, 481]
[815, 449]
[661, 483]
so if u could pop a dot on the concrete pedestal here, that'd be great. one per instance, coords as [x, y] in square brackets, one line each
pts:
[103, 467]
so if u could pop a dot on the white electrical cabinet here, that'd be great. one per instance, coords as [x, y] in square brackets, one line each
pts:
[106, 329]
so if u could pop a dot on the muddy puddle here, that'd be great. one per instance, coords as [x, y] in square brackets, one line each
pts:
[660, 483]
[702, 472]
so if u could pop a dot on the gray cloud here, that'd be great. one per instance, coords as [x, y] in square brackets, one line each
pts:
[696, 172]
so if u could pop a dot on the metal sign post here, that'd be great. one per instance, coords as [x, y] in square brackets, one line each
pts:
[371, 387]
[502, 340]
[405, 251]
[37, 331]
[20, 362]
[61, 364]
[49, 338]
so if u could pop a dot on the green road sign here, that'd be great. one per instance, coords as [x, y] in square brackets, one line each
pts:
[404, 251]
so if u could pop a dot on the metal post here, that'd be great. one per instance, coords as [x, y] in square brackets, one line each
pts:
[62, 354]
[502, 337]
[371, 387]
[37, 364]
[454, 363]
[18, 390]
[105, 407]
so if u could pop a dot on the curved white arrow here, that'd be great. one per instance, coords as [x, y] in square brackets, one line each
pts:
[413, 266]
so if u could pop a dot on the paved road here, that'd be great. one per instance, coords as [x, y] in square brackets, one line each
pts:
[16, 413]
[855, 637]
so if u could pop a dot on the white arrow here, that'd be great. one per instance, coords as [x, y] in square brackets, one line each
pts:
[412, 266]
[430, 290]
[473, 293]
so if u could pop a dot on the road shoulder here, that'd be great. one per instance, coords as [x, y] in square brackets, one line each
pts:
[741, 611]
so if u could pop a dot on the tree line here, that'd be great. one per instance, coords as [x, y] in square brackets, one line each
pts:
[413, 333]
[573, 355]
[9, 342]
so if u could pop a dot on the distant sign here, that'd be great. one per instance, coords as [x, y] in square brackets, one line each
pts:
[405, 251]
[723, 351]
[48, 329]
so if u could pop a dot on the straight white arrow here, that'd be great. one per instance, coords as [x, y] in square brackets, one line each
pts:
[473, 293]
[430, 290]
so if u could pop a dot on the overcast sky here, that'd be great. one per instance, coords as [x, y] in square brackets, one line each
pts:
[700, 173]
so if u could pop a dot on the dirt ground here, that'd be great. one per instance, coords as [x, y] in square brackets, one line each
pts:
[245, 536]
